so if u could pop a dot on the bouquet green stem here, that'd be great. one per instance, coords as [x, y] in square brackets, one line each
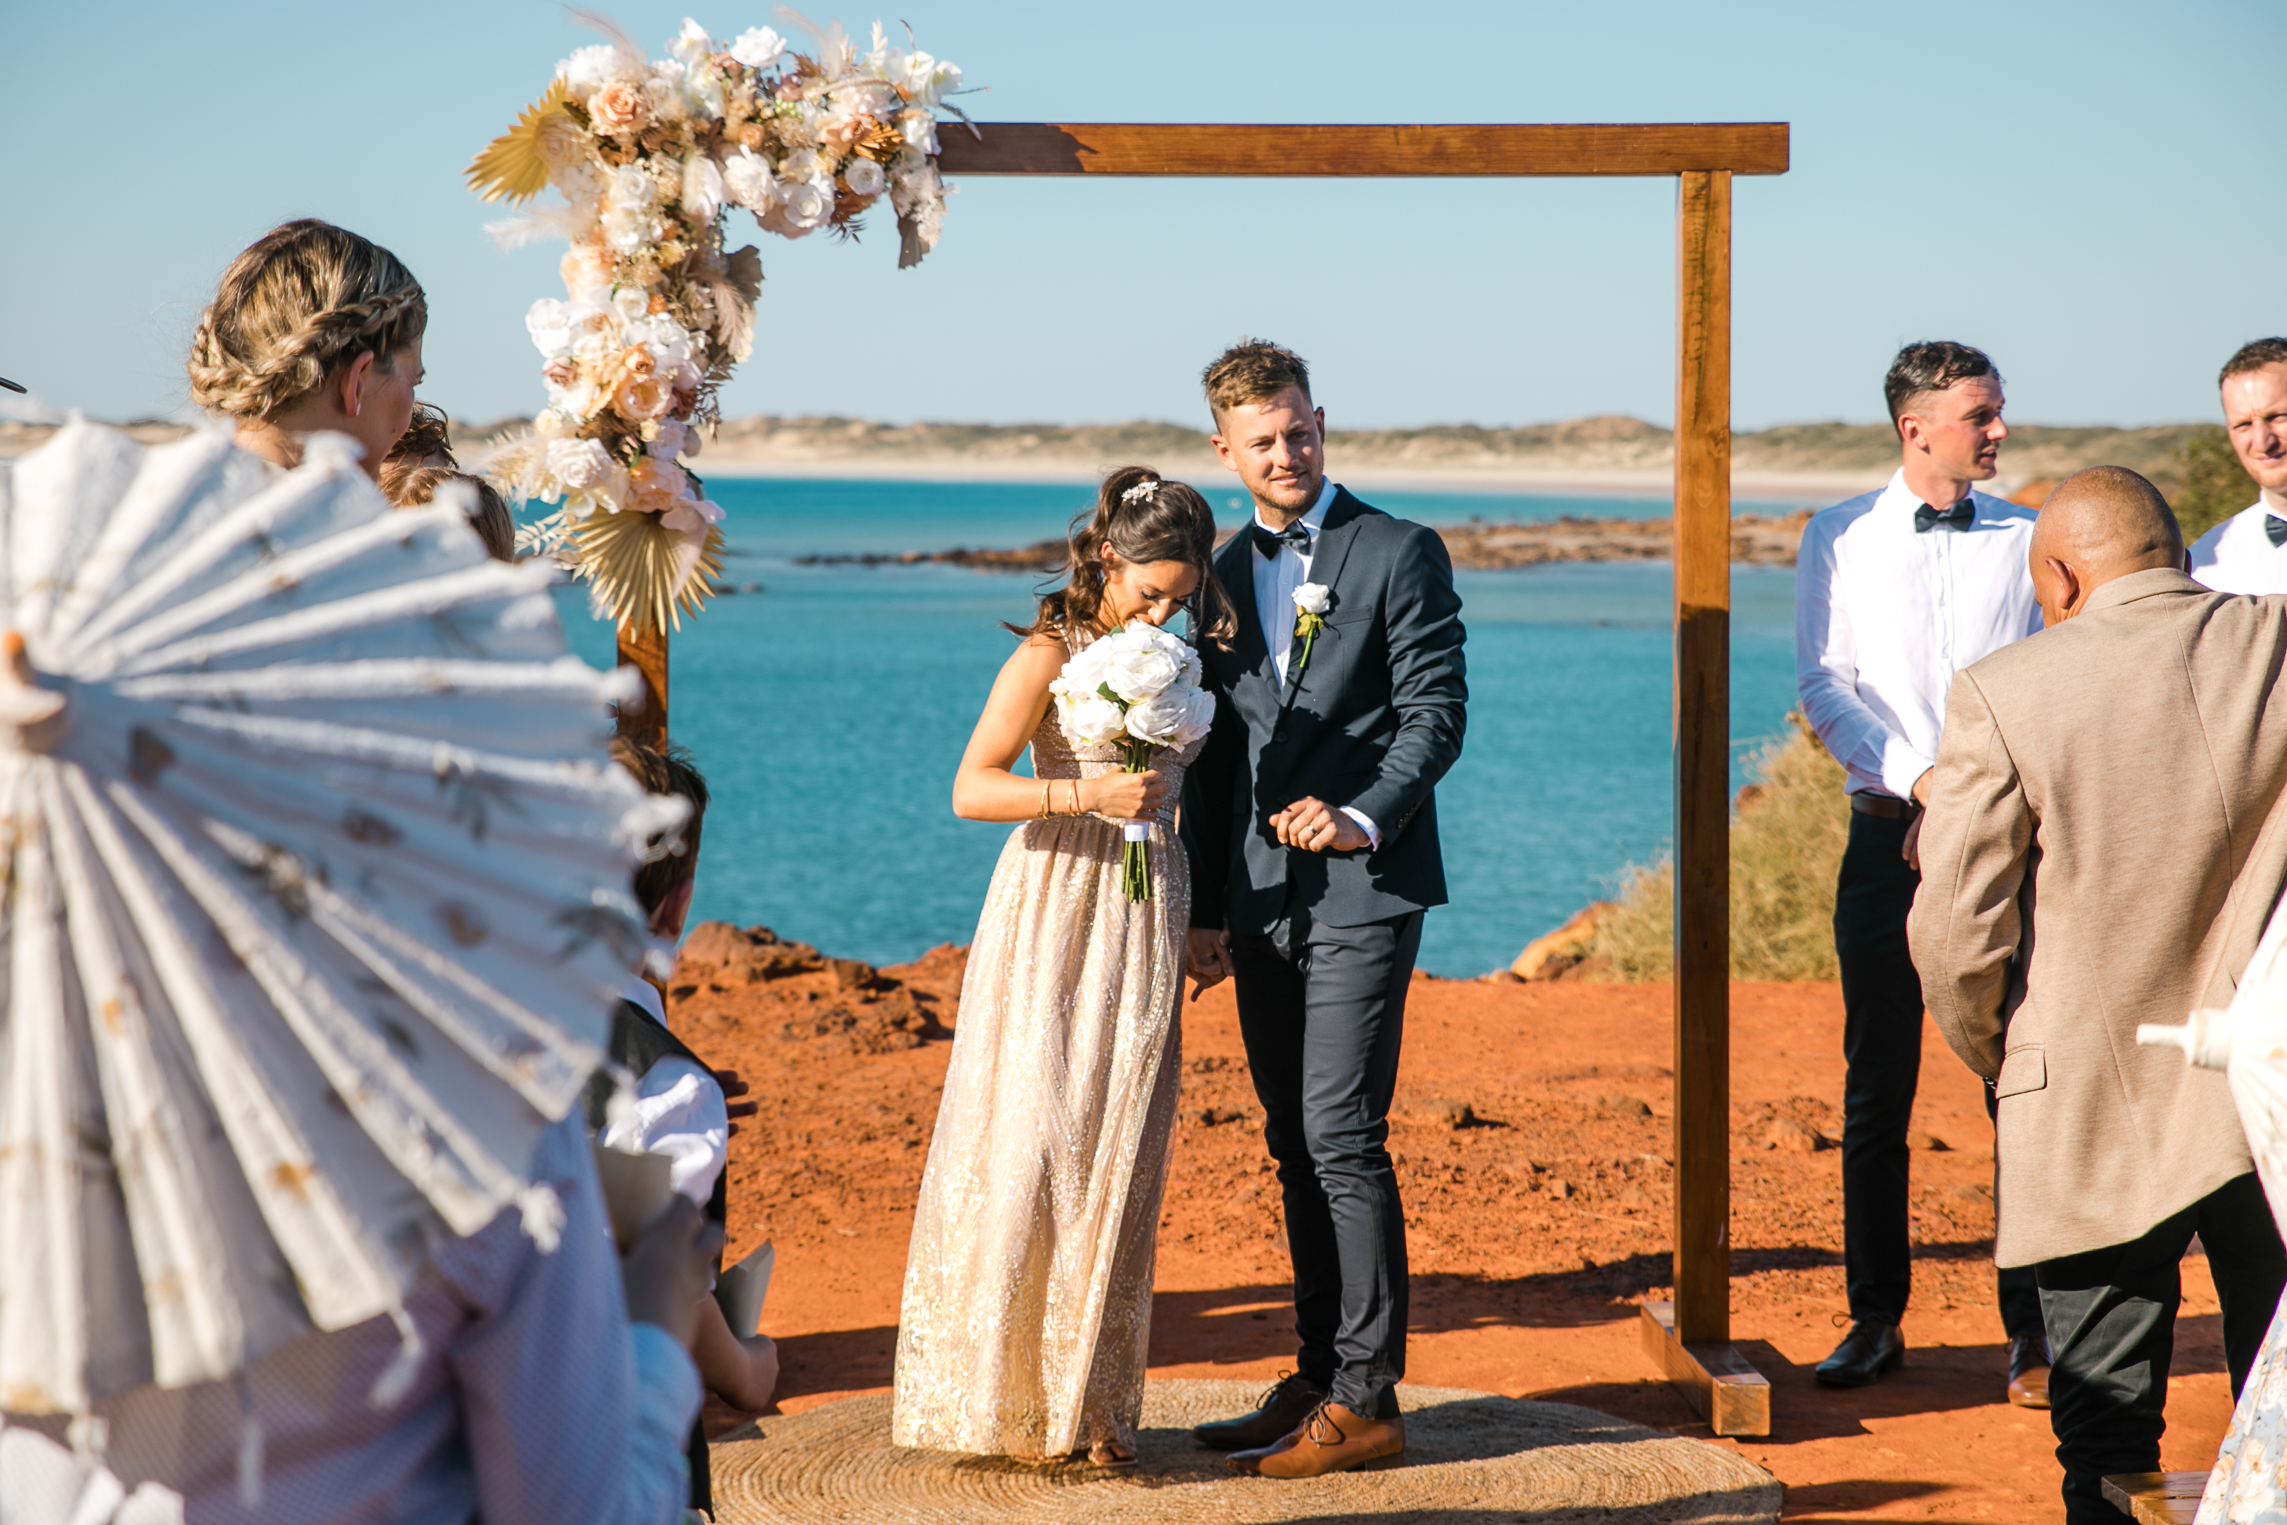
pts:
[1135, 856]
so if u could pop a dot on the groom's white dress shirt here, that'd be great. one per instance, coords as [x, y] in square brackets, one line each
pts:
[1276, 578]
[2237, 556]
[1885, 615]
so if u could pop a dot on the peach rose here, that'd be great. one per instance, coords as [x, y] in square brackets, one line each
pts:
[618, 109]
[638, 362]
[642, 397]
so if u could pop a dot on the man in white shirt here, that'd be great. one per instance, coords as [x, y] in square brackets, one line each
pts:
[1895, 592]
[2247, 553]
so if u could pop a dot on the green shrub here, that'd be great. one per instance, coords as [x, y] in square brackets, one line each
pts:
[1787, 836]
[2215, 486]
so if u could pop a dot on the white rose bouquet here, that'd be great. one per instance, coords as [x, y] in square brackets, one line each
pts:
[1137, 689]
[1311, 601]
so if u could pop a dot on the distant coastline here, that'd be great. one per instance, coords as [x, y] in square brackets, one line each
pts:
[1799, 463]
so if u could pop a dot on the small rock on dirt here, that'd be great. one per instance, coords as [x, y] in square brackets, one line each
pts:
[1624, 1106]
[1789, 1136]
[1215, 1117]
[1435, 1112]
[1925, 1141]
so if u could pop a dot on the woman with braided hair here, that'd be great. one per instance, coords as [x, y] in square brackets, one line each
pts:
[312, 328]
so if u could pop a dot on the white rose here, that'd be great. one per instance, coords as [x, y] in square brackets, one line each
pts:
[802, 164]
[691, 43]
[920, 129]
[1199, 715]
[589, 69]
[1160, 718]
[668, 442]
[702, 188]
[580, 464]
[758, 47]
[631, 187]
[802, 206]
[549, 322]
[748, 181]
[632, 303]
[864, 177]
[1313, 597]
[1090, 719]
[1142, 672]
[1084, 672]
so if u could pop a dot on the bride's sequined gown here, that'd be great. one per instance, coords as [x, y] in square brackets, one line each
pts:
[1028, 1286]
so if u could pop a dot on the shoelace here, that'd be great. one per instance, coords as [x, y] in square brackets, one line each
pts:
[1319, 1416]
[1270, 1393]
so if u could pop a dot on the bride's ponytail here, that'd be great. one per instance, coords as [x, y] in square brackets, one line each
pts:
[1143, 517]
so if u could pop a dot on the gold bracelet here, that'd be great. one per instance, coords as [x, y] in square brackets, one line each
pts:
[1076, 810]
[1044, 788]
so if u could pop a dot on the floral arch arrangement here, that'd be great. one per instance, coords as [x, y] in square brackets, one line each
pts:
[650, 156]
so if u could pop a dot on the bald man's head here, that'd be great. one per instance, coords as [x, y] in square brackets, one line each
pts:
[2099, 524]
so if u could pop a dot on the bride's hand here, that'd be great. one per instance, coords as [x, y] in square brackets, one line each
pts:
[1127, 796]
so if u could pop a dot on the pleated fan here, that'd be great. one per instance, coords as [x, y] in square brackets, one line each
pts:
[317, 897]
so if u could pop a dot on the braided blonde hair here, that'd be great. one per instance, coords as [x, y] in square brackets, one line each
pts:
[304, 298]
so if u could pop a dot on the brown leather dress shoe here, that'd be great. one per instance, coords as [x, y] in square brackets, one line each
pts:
[1288, 1403]
[1332, 1439]
[2029, 1371]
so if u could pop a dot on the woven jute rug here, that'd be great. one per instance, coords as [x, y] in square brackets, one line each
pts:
[1470, 1457]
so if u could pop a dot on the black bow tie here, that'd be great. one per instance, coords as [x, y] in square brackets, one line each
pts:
[1957, 517]
[1268, 541]
[2275, 530]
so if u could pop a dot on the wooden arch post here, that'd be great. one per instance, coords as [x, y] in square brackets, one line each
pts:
[1689, 1339]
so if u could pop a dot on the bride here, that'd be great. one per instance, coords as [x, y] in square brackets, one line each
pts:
[1027, 1302]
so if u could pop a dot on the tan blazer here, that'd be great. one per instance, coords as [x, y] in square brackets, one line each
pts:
[2102, 848]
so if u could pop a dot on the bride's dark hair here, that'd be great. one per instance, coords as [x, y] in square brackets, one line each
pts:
[1144, 518]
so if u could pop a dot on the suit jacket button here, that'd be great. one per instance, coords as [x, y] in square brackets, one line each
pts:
[1279, 734]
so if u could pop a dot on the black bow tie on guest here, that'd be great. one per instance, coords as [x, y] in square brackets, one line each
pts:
[1956, 517]
[1268, 541]
[2275, 530]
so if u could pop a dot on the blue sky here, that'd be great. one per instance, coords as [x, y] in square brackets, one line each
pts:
[2088, 190]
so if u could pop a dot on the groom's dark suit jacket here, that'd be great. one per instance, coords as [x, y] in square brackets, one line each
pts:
[1372, 722]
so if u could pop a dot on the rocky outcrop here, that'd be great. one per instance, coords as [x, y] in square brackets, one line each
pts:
[1560, 953]
[834, 1003]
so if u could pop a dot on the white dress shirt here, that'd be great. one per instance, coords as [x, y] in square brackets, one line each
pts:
[1885, 616]
[679, 1111]
[1276, 578]
[2237, 556]
[534, 1402]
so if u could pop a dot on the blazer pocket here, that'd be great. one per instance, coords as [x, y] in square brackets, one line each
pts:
[2022, 1069]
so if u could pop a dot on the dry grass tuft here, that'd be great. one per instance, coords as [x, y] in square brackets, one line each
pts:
[1787, 836]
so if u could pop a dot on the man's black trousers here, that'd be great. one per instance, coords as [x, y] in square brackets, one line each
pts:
[1882, 1045]
[2112, 1330]
[1322, 1011]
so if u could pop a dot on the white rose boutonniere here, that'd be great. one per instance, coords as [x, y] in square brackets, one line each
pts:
[1311, 601]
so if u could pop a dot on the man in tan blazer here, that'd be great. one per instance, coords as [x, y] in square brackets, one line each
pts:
[2095, 856]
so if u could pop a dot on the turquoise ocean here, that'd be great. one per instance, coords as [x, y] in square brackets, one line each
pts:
[828, 711]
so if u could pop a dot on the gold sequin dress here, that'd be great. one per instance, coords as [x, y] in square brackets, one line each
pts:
[1028, 1285]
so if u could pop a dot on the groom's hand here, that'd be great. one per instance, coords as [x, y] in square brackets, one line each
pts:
[1314, 826]
[1209, 955]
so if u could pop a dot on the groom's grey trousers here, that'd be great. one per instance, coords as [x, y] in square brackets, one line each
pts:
[1322, 1010]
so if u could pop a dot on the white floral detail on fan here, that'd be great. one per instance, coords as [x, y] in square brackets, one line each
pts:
[318, 895]
[2247, 1040]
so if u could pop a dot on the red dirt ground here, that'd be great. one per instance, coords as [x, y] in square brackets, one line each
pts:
[1534, 1228]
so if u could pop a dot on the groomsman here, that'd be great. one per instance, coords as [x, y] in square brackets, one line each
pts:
[2247, 553]
[1895, 592]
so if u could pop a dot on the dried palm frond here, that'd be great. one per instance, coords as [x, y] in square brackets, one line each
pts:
[510, 166]
[645, 575]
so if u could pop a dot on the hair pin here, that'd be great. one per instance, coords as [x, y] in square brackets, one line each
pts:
[1140, 490]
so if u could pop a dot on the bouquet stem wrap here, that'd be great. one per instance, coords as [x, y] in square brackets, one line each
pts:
[1135, 855]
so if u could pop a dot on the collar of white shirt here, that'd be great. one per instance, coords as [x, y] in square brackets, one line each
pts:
[643, 993]
[1899, 498]
[1313, 519]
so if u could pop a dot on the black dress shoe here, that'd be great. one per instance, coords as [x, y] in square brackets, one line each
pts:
[1291, 1400]
[2029, 1371]
[1869, 1350]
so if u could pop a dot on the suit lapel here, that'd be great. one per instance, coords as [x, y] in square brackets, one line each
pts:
[1235, 564]
[1334, 540]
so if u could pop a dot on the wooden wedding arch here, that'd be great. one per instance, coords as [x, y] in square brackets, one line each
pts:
[1690, 1338]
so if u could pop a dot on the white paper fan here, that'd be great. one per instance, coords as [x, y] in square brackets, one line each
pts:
[317, 897]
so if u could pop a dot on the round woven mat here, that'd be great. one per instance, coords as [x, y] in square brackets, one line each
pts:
[1470, 1457]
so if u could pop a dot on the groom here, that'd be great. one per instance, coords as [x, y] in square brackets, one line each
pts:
[1312, 833]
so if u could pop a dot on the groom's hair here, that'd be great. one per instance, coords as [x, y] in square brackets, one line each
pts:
[1250, 371]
